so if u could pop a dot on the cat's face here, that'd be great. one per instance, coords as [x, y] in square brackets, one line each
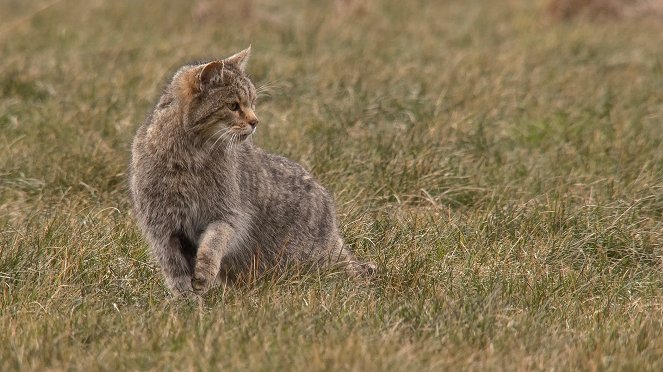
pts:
[223, 100]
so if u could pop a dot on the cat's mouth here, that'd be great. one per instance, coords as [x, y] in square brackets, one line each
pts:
[246, 133]
[232, 135]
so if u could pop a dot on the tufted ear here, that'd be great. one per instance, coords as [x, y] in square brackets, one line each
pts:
[210, 74]
[240, 59]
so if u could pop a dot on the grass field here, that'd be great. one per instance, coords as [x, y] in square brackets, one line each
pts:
[505, 172]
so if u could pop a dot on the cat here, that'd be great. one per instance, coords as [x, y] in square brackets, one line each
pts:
[214, 206]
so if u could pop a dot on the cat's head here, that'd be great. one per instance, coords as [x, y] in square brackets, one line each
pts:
[217, 99]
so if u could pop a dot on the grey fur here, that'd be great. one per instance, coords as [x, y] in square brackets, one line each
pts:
[213, 205]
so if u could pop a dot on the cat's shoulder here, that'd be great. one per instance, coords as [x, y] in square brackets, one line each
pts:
[270, 159]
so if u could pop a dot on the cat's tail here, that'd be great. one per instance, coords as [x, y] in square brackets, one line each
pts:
[358, 269]
[353, 267]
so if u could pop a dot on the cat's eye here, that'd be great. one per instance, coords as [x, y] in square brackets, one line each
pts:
[234, 106]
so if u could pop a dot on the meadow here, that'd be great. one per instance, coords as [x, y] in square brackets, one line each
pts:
[503, 169]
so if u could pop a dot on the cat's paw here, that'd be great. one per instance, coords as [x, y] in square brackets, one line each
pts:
[200, 284]
[180, 287]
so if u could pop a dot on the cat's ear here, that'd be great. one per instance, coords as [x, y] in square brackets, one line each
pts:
[240, 59]
[210, 75]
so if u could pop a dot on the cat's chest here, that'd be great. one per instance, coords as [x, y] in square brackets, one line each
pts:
[204, 194]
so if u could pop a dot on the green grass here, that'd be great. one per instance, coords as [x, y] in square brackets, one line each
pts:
[505, 172]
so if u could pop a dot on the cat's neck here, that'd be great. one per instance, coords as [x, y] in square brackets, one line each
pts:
[180, 150]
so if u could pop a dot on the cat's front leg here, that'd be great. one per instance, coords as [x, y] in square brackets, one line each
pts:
[214, 245]
[176, 265]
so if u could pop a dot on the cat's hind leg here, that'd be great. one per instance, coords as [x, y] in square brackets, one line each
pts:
[214, 245]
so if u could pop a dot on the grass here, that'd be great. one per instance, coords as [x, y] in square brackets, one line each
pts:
[505, 171]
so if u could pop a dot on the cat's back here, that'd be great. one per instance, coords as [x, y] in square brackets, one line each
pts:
[278, 173]
[286, 197]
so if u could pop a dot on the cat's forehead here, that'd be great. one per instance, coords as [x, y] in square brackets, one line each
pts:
[225, 80]
[241, 86]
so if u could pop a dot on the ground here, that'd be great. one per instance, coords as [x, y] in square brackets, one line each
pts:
[504, 170]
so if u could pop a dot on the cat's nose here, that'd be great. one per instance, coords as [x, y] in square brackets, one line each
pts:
[253, 122]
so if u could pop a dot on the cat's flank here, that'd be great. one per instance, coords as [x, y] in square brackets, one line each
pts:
[211, 204]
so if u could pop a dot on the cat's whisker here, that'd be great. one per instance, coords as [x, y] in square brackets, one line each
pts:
[221, 136]
[226, 134]
[235, 140]
[218, 132]
[267, 86]
[229, 146]
[226, 137]
[229, 141]
[263, 93]
[215, 142]
[265, 89]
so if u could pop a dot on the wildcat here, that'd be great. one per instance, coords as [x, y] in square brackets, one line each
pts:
[212, 205]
